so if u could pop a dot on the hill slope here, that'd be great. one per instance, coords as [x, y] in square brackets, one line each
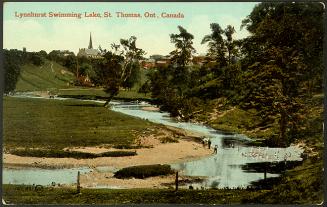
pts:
[49, 76]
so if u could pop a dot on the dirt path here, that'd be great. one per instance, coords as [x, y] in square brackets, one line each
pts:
[52, 67]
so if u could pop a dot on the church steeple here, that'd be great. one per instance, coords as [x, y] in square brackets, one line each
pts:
[90, 43]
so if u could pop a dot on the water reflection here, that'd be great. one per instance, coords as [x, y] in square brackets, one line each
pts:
[39, 176]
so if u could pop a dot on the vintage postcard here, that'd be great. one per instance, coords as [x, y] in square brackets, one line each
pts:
[163, 103]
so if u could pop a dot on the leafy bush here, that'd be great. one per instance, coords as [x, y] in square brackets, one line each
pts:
[68, 154]
[118, 154]
[168, 140]
[125, 146]
[144, 171]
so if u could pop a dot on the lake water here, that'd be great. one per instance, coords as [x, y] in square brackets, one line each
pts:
[39, 176]
[224, 169]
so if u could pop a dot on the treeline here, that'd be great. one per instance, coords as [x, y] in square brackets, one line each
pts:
[13, 60]
[114, 69]
[276, 70]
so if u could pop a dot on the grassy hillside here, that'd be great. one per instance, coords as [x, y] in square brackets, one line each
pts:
[53, 77]
[46, 77]
[57, 124]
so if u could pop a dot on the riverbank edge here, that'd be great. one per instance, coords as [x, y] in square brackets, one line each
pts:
[26, 194]
[185, 136]
[21, 194]
[94, 97]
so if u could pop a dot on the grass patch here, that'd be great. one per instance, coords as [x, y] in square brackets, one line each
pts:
[245, 122]
[50, 75]
[52, 153]
[20, 194]
[55, 124]
[98, 93]
[301, 185]
[144, 171]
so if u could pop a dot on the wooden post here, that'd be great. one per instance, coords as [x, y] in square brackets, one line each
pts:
[78, 182]
[176, 182]
[265, 174]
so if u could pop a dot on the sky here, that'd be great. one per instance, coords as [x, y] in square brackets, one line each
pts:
[46, 33]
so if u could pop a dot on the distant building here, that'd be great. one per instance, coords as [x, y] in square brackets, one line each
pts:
[199, 60]
[89, 52]
[24, 49]
[66, 53]
[157, 57]
[163, 61]
[155, 61]
[148, 63]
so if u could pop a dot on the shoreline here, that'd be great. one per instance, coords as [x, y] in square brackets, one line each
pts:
[155, 152]
[168, 153]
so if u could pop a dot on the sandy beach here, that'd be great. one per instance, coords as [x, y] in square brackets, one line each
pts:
[95, 179]
[156, 153]
[159, 154]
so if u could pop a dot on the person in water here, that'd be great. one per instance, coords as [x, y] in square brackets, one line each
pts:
[215, 149]
[209, 143]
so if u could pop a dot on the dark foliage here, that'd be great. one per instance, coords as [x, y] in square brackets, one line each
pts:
[144, 171]
[69, 154]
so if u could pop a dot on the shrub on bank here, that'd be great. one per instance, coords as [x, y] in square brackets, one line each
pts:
[144, 171]
[52, 153]
[118, 154]
[168, 140]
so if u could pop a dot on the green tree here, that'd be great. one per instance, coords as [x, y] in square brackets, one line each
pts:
[183, 41]
[229, 31]
[37, 59]
[134, 76]
[108, 75]
[119, 65]
[145, 88]
[43, 53]
[222, 49]
[12, 61]
[71, 63]
[172, 85]
[216, 44]
[282, 55]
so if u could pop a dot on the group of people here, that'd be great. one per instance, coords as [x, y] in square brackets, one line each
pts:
[208, 142]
